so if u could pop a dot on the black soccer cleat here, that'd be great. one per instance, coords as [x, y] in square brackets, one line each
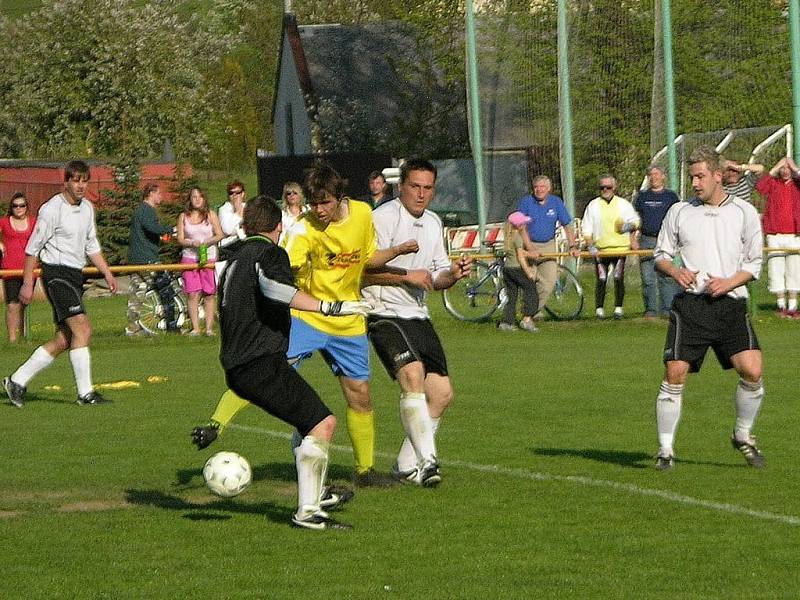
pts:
[319, 521]
[429, 475]
[334, 497]
[750, 452]
[409, 476]
[15, 392]
[92, 398]
[204, 435]
[373, 478]
[665, 462]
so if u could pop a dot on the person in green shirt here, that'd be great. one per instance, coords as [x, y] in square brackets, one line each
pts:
[144, 237]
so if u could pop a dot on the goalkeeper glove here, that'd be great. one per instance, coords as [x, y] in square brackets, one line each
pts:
[341, 308]
[627, 227]
[593, 250]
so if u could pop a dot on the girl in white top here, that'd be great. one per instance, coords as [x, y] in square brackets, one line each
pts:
[292, 206]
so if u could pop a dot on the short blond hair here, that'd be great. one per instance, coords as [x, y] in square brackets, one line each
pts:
[708, 155]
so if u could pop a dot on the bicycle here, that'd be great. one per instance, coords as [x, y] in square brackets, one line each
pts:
[155, 291]
[477, 297]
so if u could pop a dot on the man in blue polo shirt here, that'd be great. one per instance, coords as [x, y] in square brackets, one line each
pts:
[652, 205]
[547, 212]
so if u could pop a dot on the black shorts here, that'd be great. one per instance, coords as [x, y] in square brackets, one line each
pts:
[699, 321]
[11, 288]
[399, 342]
[64, 289]
[270, 383]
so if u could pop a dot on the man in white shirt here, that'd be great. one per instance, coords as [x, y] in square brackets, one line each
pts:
[718, 240]
[63, 238]
[399, 326]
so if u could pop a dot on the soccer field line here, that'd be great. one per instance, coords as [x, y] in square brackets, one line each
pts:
[574, 479]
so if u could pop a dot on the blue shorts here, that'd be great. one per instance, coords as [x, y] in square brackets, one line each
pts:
[346, 355]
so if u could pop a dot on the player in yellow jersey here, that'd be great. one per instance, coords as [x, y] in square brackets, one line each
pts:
[329, 248]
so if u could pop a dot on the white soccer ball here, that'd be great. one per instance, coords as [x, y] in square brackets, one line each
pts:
[227, 474]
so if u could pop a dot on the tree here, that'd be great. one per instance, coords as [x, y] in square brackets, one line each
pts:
[109, 78]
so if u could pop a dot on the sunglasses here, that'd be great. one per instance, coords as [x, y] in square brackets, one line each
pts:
[19, 205]
[292, 193]
[235, 192]
[605, 187]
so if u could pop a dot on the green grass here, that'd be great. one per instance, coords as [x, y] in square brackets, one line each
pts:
[548, 492]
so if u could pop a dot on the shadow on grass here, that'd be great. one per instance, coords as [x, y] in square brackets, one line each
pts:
[274, 471]
[216, 510]
[633, 460]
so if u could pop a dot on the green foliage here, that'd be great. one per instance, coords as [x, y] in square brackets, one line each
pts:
[110, 78]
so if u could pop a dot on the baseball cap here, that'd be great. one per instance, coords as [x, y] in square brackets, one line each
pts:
[517, 218]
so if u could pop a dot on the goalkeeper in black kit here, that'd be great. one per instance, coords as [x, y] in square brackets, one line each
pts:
[255, 294]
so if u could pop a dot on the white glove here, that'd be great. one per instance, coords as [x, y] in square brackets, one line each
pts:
[593, 250]
[341, 308]
[627, 227]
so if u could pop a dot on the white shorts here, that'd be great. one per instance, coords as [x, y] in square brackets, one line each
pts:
[783, 269]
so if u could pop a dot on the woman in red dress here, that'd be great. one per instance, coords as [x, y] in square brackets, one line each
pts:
[15, 230]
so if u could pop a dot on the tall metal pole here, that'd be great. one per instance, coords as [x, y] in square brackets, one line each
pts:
[474, 113]
[669, 93]
[565, 111]
[794, 36]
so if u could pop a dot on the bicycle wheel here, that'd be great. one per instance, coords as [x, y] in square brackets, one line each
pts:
[151, 313]
[566, 301]
[476, 297]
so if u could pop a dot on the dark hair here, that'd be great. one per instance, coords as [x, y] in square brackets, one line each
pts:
[375, 174]
[234, 184]
[261, 215]
[188, 208]
[14, 196]
[321, 179]
[416, 164]
[148, 189]
[76, 168]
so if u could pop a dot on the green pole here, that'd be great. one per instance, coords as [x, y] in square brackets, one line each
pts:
[669, 93]
[794, 38]
[475, 121]
[565, 111]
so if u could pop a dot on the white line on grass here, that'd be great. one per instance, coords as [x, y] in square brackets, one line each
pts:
[601, 483]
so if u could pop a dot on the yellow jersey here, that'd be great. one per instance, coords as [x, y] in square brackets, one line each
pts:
[328, 261]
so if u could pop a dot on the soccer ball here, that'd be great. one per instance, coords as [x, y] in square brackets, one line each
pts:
[227, 474]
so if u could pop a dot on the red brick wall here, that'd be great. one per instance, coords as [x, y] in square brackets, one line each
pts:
[40, 183]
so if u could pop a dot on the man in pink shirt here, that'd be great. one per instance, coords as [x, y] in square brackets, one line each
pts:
[781, 190]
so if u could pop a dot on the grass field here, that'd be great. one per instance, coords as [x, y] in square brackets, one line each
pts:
[549, 489]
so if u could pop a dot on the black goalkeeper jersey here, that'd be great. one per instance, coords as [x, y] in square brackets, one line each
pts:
[252, 325]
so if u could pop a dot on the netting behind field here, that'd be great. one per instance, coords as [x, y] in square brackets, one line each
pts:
[731, 71]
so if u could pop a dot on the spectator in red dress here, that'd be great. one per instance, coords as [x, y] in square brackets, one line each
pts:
[15, 230]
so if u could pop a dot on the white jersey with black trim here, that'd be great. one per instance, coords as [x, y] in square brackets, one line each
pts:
[713, 241]
[395, 225]
[65, 233]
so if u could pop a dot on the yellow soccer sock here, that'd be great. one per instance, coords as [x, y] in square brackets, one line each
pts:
[229, 404]
[361, 429]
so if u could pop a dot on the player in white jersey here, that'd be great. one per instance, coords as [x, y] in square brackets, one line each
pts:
[399, 326]
[718, 240]
[63, 238]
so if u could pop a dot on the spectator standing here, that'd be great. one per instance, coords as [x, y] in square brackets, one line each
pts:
[546, 213]
[718, 240]
[231, 213]
[652, 205]
[378, 190]
[739, 179]
[292, 206]
[143, 240]
[518, 275]
[607, 225]
[199, 232]
[399, 324]
[780, 222]
[64, 236]
[16, 229]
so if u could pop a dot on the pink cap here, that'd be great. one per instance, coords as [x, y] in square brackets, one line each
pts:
[517, 218]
